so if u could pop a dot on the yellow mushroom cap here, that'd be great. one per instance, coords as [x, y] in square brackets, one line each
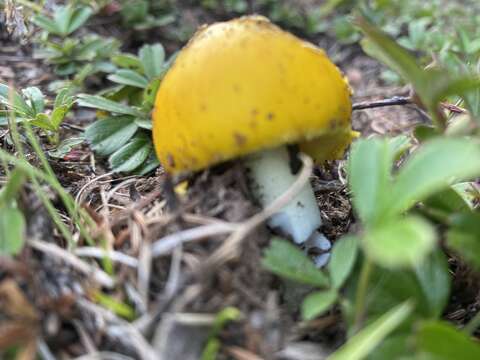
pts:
[246, 85]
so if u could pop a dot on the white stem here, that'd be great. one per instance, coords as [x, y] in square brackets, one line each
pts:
[271, 175]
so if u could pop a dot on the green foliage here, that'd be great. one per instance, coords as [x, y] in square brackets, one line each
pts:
[12, 221]
[146, 14]
[125, 133]
[360, 345]
[432, 85]
[31, 106]
[285, 259]
[212, 347]
[71, 54]
[437, 340]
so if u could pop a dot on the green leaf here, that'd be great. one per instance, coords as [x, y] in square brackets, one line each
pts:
[18, 104]
[12, 229]
[401, 242]
[287, 260]
[46, 24]
[58, 115]
[464, 237]
[63, 98]
[369, 170]
[317, 303]
[108, 135]
[144, 123]
[152, 58]
[9, 191]
[127, 61]
[128, 77]
[35, 98]
[151, 92]
[65, 147]
[62, 16]
[43, 122]
[148, 165]
[344, 254]
[435, 281]
[362, 343]
[78, 18]
[442, 341]
[432, 168]
[132, 155]
[99, 102]
[425, 132]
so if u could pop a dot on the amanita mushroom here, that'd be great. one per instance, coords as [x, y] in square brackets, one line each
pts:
[245, 88]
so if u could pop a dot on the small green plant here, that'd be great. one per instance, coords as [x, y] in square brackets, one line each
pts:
[123, 132]
[71, 54]
[393, 300]
[146, 14]
[30, 105]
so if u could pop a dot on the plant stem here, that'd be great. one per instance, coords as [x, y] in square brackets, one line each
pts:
[396, 100]
[361, 295]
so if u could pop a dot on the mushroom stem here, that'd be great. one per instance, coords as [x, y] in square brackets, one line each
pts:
[271, 175]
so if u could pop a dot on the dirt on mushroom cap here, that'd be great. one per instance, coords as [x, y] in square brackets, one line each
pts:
[245, 85]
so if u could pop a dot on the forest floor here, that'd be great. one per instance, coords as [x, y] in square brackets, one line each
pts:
[178, 292]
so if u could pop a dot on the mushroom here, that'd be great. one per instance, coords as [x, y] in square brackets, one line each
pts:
[245, 88]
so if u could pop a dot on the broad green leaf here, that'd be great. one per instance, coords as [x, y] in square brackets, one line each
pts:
[442, 341]
[344, 254]
[128, 77]
[286, 260]
[317, 303]
[148, 165]
[435, 280]
[464, 237]
[12, 228]
[35, 98]
[362, 343]
[78, 18]
[62, 16]
[369, 176]
[18, 103]
[152, 58]
[127, 61]
[63, 97]
[456, 198]
[58, 115]
[132, 155]
[432, 168]
[46, 24]
[108, 135]
[99, 102]
[43, 122]
[401, 242]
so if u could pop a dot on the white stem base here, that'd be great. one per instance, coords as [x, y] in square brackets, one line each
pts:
[271, 176]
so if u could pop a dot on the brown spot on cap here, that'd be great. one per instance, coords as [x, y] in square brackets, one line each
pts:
[270, 116]
[240, 139]
[170, 160]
